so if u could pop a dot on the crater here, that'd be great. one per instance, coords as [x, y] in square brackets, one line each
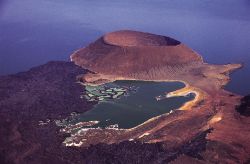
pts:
[137, 100]
[134, 38]
[133, 53]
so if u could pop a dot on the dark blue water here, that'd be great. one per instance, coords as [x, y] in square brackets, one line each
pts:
[33, 32]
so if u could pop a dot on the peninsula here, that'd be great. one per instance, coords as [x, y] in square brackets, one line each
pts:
[214, 127]
[132, 55]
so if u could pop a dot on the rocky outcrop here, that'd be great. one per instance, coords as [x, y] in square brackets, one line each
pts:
[42, 94]
[244, 107]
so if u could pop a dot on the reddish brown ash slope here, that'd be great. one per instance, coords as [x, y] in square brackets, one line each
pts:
[130, 52]
[142, 56]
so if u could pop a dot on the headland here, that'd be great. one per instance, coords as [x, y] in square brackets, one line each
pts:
[214, 128]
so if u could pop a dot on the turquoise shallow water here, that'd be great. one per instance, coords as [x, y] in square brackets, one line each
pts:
[137, 107]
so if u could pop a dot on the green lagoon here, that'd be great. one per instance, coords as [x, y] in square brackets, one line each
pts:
[130, 103]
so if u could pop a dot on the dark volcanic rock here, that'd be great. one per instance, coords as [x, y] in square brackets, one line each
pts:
[44, 92]
[244, 107]
[50, 92]
[136, 152]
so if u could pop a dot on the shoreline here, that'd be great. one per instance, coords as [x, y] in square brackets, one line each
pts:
[178, 92]
[202, 93]
[187, 89]
[212, 111]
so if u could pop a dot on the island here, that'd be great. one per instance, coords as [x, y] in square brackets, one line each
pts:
[212, 128]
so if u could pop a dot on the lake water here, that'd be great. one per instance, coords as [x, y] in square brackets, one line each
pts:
[137, 107]
[33, 32]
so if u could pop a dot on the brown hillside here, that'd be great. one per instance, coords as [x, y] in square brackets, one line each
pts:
[126, 52]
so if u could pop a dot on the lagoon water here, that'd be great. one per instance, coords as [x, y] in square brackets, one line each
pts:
[33, 32]
[130, 111]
